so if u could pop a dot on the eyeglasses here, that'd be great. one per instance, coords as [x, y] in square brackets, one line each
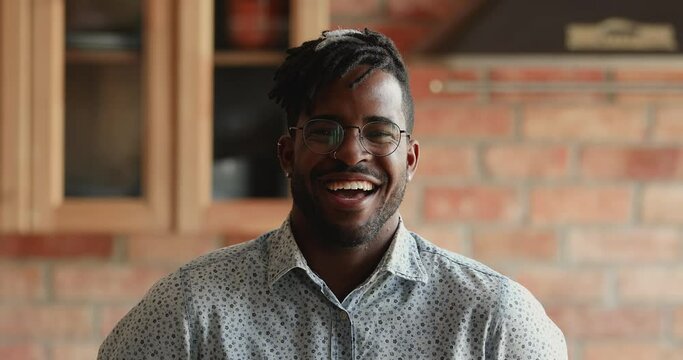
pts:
[379, 138]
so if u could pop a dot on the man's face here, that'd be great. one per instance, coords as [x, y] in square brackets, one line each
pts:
[325, 190]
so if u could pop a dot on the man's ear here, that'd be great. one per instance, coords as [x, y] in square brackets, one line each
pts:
[412, 157]
[285, 153]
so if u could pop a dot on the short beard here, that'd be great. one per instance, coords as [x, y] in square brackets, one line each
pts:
[342, 237]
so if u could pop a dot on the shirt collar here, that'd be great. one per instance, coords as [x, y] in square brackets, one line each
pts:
[284, 254]
[402, 258]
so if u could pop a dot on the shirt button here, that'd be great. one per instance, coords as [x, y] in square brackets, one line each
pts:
[343, 316]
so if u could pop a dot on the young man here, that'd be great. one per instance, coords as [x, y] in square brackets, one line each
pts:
[342, 277]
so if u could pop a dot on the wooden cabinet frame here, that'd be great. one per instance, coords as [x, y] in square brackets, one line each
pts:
[51, 210]
[177, 86]
[196, 212]
[15, 107]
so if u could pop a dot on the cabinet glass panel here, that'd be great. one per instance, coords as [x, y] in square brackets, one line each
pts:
[250, 39]
[103, 98]
[246, 127]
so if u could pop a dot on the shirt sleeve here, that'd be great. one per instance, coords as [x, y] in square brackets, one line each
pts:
[523, 330]
[156, 328]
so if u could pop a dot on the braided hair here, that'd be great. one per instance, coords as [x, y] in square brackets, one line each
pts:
[316, 63]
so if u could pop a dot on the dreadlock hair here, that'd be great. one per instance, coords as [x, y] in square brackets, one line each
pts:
[316, 63]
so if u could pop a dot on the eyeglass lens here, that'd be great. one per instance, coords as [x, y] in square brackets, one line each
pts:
[379, 138]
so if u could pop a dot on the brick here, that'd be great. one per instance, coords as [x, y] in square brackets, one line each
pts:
[545, 74]
[646, 98]
[21, 282]
[678, 323]
[540, 96]
[111, 315]
[411, 206]
[628, 246]
[674, 75]
[463, 122]
[168, 248]
[631, 350]
[526, 161]
[105, 283]
[445, 237]
[651, 285]
[663, 204]
[668, 125]
[354, 8]
[46, 321]
[587, 123]
[638, 75]
[632, 163]
[672, 352]
[446, 160]
[74, 351]
[596, 323]
[425, 9]
[22, 351]
[583, 205]
[514, 245]
[423, 75]
[554, 285]
[56, 246]
[472, 203]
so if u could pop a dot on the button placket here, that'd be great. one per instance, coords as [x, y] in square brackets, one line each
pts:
[342, 335]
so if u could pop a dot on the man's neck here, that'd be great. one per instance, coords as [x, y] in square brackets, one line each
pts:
[342, 268]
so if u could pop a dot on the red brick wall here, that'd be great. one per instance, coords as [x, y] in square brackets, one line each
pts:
[578, 195]
[60, 295]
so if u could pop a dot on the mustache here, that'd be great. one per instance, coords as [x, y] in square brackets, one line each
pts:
[340, 167]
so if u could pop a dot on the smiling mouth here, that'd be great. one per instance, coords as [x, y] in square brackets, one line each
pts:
[355, 189]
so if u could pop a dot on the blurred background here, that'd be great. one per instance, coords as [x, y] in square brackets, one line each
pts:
[136, 135]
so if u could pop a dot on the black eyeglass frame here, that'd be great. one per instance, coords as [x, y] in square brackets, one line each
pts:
[360, 135]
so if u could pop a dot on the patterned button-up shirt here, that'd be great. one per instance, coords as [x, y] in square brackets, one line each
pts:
[260, 300]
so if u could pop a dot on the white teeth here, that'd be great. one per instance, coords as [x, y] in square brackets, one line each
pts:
[349, 185]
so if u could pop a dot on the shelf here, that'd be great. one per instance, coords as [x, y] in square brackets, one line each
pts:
[248, 58]
[121, 57]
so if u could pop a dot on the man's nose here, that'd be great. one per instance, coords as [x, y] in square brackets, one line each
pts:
[350, 151]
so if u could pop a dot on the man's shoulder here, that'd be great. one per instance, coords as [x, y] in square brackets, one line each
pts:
[513, 305]
[448, 270]
[248, 253]
[435, 256]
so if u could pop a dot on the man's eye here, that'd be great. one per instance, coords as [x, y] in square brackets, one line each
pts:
[324, 135]
[321, 132]
[377, 133]
[380, 136]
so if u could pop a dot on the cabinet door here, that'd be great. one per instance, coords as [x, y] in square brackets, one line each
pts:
[102, 117]
[14, 115]
[228, 174]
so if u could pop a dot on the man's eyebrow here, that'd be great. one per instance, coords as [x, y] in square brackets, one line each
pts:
[325, 116]
[366, 119]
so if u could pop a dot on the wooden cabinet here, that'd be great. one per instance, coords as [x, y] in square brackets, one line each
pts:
[197, 209]
[118, 136]
[15, 112]
[51, 209]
